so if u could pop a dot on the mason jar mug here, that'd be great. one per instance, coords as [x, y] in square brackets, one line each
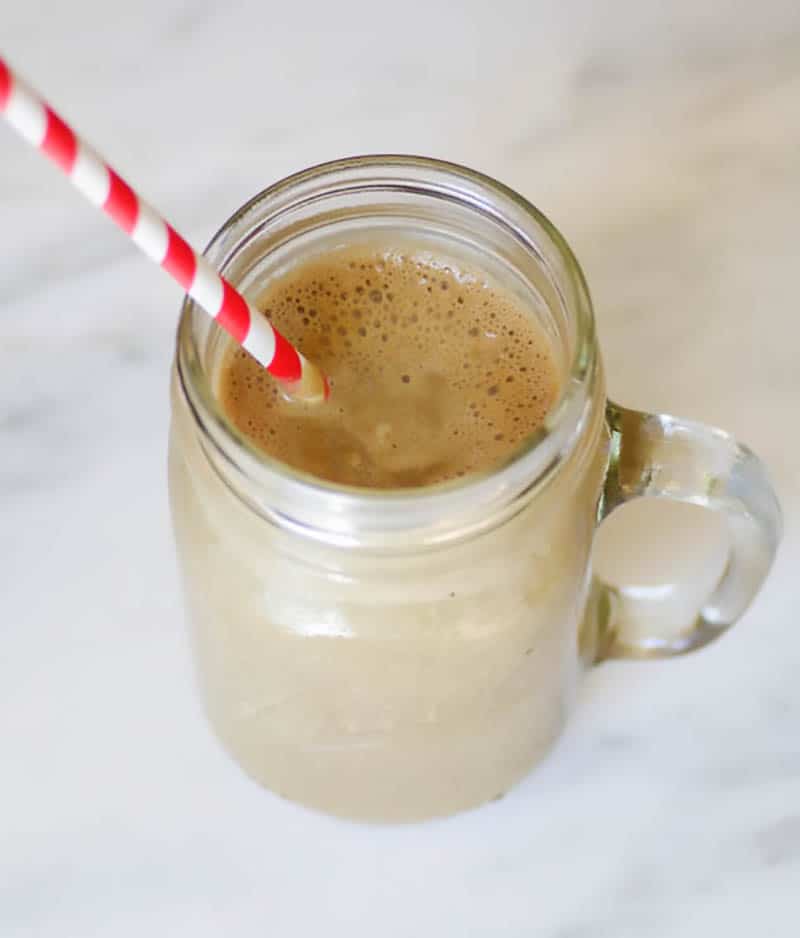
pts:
[396, 655]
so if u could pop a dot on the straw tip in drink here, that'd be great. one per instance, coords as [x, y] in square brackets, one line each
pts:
[311, 388]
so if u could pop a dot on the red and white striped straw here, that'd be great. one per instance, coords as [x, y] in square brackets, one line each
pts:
[43, 128]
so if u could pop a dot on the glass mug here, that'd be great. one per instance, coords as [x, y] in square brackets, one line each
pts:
[404, 654]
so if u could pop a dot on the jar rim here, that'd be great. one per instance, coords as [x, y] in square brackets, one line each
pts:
[342, 513]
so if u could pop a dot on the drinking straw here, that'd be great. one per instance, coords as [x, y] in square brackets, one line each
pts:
[44, 129]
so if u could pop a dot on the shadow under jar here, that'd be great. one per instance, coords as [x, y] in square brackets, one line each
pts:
[397, 655]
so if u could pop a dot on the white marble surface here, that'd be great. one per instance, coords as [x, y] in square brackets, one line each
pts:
[664, 140]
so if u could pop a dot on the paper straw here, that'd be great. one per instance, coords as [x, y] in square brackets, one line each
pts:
[44, 129]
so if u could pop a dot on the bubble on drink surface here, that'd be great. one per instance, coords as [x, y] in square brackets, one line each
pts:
[462, 374]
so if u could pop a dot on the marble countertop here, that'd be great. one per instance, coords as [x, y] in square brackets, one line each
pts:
[664, 141]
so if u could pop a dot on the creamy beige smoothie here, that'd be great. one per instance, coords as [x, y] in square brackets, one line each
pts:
[435, 372]
[425, 679]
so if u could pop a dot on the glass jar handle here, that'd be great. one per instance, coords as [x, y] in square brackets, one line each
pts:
[659, 455]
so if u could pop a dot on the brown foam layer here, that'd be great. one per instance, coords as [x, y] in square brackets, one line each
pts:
[435, 372]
